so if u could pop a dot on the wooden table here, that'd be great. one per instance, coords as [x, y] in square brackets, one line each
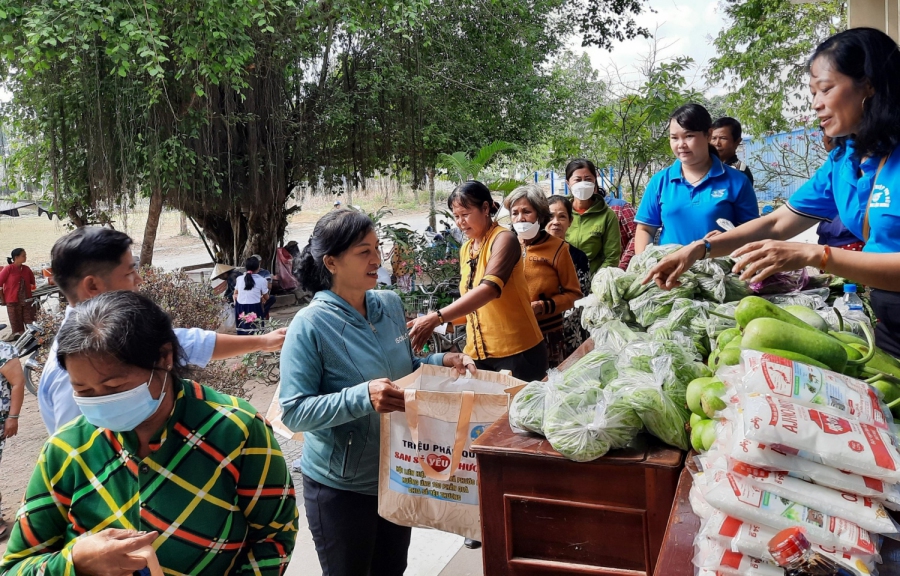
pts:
[544, 514]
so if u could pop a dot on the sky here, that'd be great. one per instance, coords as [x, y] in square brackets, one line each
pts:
[682, 27]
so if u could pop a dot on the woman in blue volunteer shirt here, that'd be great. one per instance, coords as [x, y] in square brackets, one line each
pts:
[687, 198]
[855, 84]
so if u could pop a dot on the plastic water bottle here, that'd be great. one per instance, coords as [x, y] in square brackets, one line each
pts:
[851, 300]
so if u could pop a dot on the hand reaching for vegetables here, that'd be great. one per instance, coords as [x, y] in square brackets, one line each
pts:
[670, 268]
[386, 397]
[758, 260]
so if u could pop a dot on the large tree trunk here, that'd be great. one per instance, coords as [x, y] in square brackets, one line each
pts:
[156, 204]
[432, 208]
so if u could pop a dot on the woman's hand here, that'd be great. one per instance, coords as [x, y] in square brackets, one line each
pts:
[11, 428]
[537, 307]
[386, 397]
[758, 260]
[274, 340]
[421, 329]
[110, 552]
[670, 268]
[460, 363]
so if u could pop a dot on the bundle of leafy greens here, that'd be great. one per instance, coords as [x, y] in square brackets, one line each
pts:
[655, 304]
[526, 410]
[643, 262]
[586, 423]
[596, 368]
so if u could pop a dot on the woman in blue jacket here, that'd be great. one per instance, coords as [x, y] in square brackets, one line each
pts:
[341, 354]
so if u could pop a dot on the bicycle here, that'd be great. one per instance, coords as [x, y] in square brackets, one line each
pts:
[424, 301]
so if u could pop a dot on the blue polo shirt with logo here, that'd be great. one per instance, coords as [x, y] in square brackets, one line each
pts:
[688, 213]
[841, 187]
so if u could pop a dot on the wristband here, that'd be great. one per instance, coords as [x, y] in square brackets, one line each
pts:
[13, 417]
[707, 248]
[440, 316]
[826, 254]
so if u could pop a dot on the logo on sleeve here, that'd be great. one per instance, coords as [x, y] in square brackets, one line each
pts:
[881, 196]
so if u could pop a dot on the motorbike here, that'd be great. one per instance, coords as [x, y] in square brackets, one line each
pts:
[27, 347]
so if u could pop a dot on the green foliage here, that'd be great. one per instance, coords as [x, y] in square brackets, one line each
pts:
[762, 54]
[633, 125]
[461, 168]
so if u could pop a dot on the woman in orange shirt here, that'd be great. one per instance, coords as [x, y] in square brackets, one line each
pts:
[553, 285]
[501, 330]
[16, 283]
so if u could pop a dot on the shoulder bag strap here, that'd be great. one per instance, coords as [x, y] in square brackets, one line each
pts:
[865, 229]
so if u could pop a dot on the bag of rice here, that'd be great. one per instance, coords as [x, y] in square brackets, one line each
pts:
[811, 386]
[712, 555]
[730, 440]
[753, 540]
[864, 512]
[821, 435]
[736, 497]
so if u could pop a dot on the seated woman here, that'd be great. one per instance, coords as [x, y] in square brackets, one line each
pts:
[154, 460]
[552, 280]
[501, 330]
[686, 199]
[341, 354]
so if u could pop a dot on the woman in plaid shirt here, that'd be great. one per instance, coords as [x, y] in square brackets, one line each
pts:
[154, 460]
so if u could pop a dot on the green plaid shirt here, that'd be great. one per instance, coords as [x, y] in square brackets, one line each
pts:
[215, 486]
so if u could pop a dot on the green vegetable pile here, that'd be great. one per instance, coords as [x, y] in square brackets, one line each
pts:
[526, 411]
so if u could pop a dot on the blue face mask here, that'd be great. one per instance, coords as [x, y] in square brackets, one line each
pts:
[122, 411]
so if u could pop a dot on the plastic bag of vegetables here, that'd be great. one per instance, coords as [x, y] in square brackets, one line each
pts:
[662, 412]
[596, 313]
[643, 262]
[723, 287]
[721, 318]
[596, 368]
[609, 287]
[813, 299]
[655, 304]
[614, 335]
[526, 410]
[712, 266]
[586, 423]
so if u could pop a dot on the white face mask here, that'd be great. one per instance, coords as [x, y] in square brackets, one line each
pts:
[584, 190]
[527, 230]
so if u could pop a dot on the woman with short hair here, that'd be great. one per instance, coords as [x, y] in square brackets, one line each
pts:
[855, 84]
[502, 332]
[340, 358]
[685, 201]
[154, 461]
[549, 271]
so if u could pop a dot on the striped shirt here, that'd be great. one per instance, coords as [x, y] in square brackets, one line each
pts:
[215, 486]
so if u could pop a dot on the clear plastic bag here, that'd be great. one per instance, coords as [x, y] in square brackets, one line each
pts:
[655, 303]
[526, 410]
[608, 286]
[614, 335]
[586, 423]
[812, 299]
[596, 368]
[596, 313]
[641, 263]
[722, 320]
[852, 321]
[723, 288]
[712, 266]
[658, 399]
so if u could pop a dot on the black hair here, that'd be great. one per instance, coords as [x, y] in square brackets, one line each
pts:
[334, 234]
[15, 254]
[869, 57]
[578, 164]
[251, 264]
[729, 122]
[125, 325]
[86, 251]
[696, 118]
[473, 194]
[557, 199]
